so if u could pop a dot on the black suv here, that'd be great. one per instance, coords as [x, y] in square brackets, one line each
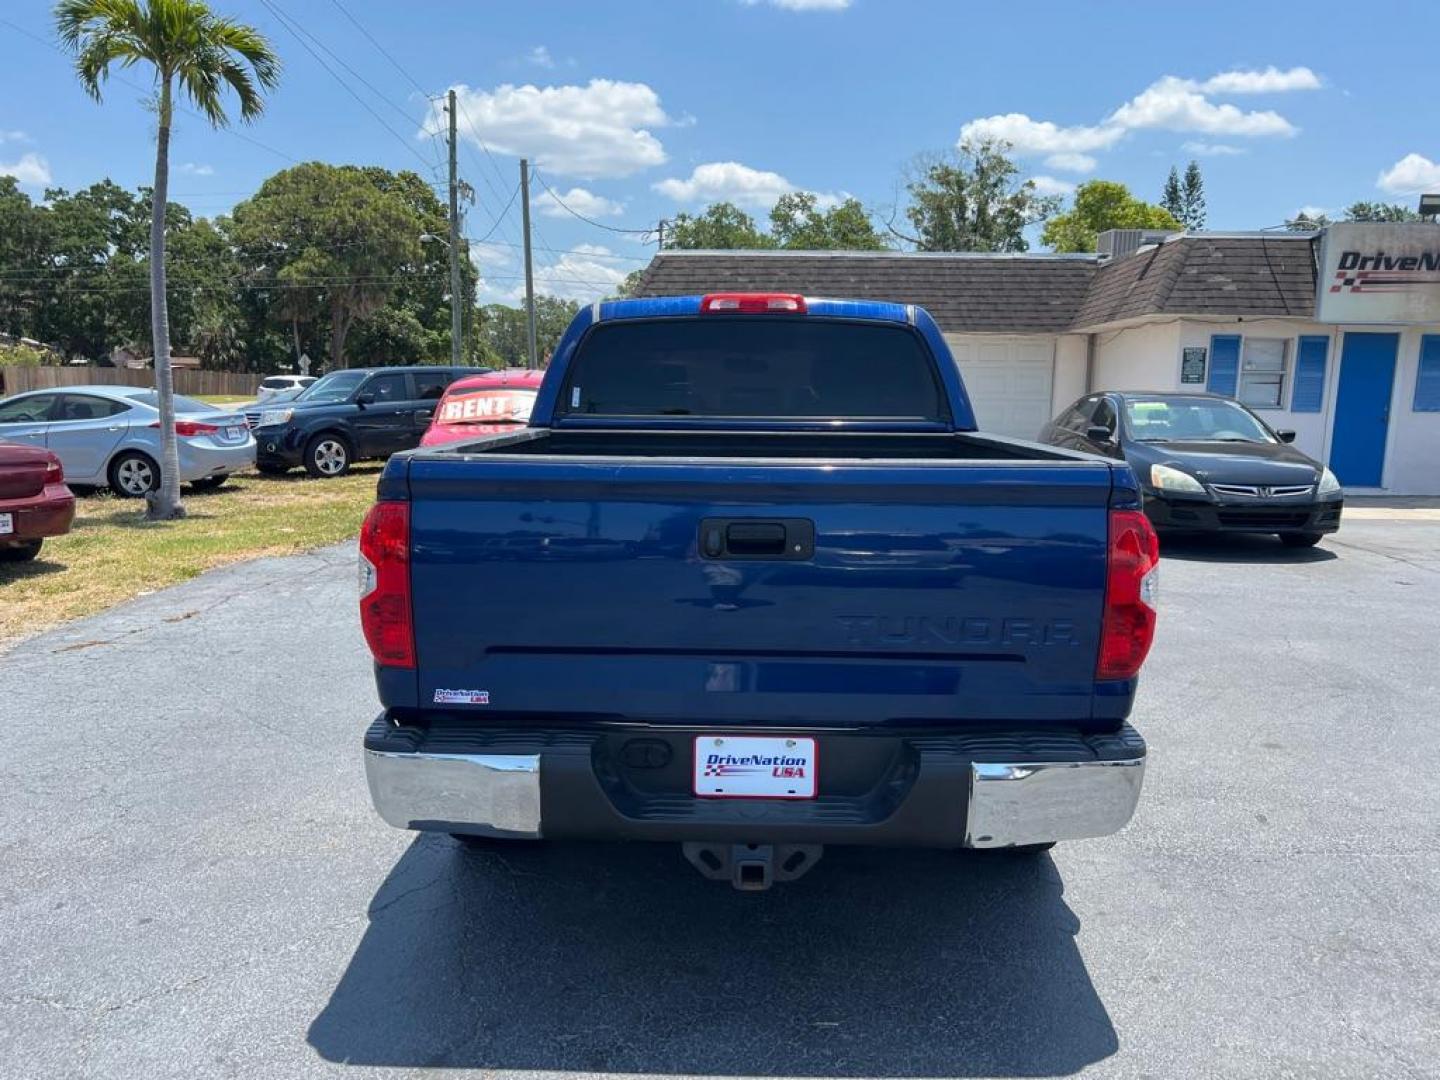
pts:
[351, 414]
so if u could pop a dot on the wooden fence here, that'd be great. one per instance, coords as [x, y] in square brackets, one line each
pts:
[14, 380]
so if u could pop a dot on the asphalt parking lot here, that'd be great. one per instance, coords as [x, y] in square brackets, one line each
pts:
[192, 882]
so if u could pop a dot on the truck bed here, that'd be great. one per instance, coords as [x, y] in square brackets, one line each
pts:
[934, 579]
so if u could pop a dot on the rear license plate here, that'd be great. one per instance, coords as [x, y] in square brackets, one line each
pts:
[752, 767]
[7, 524]
[236, 434]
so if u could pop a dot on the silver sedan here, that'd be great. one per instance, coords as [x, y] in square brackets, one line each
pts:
[109, 436]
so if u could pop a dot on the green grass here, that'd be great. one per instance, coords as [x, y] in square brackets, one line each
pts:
[112, 554]
[223, 399]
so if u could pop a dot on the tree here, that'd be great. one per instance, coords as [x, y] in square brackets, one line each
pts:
[1303, 222]
[796, 223]
[1192, 212]
[722, 227]
[974, 202]
[202, 54]
[1375, 211]
[336, 242]
[1172, 198]
[1101, 205]
[502, 330]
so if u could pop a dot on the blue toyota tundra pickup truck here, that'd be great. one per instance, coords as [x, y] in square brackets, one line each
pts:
[751, 581]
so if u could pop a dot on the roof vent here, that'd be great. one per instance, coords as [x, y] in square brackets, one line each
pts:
[1117, 243]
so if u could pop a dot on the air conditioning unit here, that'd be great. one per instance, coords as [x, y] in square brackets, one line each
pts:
[1117, 243]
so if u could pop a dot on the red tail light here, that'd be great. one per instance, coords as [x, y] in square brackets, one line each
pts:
[385, 584]
[1130, 591]
[191, 427]
[757, 303]
[54, 471]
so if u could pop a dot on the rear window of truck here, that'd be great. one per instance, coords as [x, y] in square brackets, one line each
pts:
[787, 367]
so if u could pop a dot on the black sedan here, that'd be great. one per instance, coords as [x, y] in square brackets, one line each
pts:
[1206, 463]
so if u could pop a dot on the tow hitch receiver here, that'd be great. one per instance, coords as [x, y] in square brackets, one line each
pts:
[752, 867]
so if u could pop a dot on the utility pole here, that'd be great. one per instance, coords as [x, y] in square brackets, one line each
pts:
[661, 232]
[456, 326]
[533, 361]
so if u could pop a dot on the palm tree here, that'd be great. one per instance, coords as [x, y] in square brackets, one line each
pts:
[191, 47]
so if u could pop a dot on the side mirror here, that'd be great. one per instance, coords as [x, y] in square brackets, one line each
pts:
[1099, 433]
[365, 399]
[1286, 436]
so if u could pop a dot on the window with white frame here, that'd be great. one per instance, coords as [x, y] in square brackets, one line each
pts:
[1262, 372]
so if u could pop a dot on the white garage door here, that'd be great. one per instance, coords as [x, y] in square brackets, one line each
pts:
[1008, 380]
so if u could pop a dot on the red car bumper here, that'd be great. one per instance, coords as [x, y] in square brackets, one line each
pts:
[38, 516]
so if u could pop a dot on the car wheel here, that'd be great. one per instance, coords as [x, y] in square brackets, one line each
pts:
[21, 552]
[134, 475]
[327, 454]
[209, 483]
[1301, 540]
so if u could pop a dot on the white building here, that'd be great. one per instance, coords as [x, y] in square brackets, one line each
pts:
[1352, 366]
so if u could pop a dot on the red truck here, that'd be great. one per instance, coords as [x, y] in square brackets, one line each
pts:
[34, 501]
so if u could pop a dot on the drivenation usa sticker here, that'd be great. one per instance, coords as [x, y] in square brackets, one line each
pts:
[462, 697]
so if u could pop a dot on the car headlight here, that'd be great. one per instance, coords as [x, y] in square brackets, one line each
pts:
[276, 416]
[1329, 485]
[1166, 478]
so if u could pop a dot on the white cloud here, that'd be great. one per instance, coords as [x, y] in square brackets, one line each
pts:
[803, 5]
[197, 170]
[599, 129]
[540, 57]
[30, 169]
[1207, 149]
[14, 136]
[1270, 81]
[1071, 162]
[586, 273]
[1050, 185]
[585, 203]
[1312, 212]
[1027, 136]
[1170, 103]
[730, 181]
[1179, 105]
[1414, 174]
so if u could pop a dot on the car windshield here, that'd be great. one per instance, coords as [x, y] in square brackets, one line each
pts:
[1192, 420]
[182, 404]
[337, 386]
[501, 406]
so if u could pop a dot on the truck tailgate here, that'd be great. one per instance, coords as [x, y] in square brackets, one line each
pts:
[936, 591]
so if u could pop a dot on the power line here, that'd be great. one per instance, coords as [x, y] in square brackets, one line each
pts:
[500, 218]
[286, 21]
[434, 136]
[582, 217]
[381, 48]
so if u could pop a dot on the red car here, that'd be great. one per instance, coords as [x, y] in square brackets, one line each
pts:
[34, 501]
[484, 405]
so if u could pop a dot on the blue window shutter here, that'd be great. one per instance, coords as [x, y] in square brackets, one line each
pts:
[1427, 378]
[1224, 363]
[1310, 374]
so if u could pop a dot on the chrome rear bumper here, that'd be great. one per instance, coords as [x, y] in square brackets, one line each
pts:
[969, 803]
[480, 794]
[1039, 803]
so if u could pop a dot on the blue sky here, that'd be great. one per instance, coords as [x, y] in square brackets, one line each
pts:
[636, 110]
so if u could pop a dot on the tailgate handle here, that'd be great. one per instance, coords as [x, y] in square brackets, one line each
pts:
[754, 538]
